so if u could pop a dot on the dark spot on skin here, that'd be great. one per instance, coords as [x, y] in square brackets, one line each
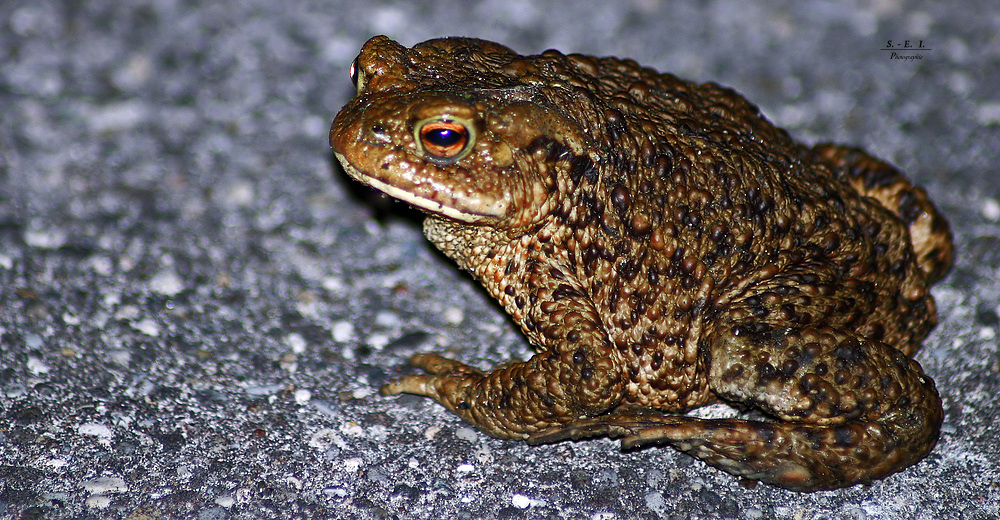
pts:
[849, 352]
[734, 373]
[765, 373]
[788, 313]
[821, 222]
[657, 361]
[587, 372]
[831, 243]
[809, 382]
[622, 163]
[613, 300]
[580, 356]
[874, 177]
[862, 378]
[638, 309]
[628, 269]
[873, 228]
[876, 332]
[678, 256]
[909, 208]
[788, 368]
[530, 324]
[718, 232]
[807, 278]
[785, 290]
[987, 316]
[566, 291]
[694, 220]
[614, 125]
[653, 276]
[664, 165]
[681, 214]
[620, 198]
[640, 225]
[821, 393]
[844, 436]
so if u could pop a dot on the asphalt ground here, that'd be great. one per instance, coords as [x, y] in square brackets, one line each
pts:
[197, 305]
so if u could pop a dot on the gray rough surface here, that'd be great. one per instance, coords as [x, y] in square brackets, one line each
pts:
[196, 305]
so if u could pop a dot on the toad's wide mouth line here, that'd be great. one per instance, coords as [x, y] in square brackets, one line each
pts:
[434, 206]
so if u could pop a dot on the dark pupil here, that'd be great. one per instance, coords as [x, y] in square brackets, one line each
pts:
[443, 137]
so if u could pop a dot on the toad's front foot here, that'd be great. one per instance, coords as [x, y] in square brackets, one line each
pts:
[438, 368]
[517, 399]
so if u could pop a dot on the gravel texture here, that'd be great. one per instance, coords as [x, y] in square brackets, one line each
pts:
[196, 305]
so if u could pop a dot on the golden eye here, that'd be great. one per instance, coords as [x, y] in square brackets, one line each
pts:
[444, 140]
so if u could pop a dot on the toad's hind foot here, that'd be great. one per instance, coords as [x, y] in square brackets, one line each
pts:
[752, 449]
[780, 454]
[776, 453]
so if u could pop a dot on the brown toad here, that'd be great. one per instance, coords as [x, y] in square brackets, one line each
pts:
[663, 246]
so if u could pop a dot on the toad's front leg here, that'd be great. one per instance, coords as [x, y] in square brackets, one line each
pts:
[579, 378]
[848, 410]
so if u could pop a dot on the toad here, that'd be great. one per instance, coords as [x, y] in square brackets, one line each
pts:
[663, 246]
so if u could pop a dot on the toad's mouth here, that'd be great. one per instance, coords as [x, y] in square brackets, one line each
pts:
[439, 197]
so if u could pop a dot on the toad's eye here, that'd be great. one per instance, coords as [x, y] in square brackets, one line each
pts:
[354, 72]
[444, 140]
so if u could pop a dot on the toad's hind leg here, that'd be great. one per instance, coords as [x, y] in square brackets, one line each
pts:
[880, 180]
[847, 410]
